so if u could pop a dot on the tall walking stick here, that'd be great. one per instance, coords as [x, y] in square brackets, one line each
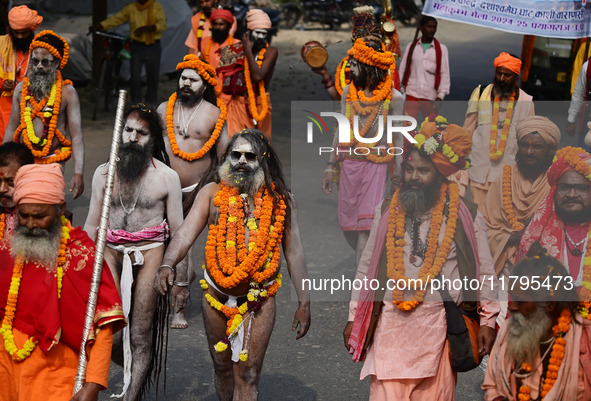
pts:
[100, 242]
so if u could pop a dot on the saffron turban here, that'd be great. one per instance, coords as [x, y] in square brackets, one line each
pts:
[368, 55]
[39, 183]
[206, 71]
[257, 19]
[543, 126]
[506, 60]
[54, 43]
[22, 17]
[448, 149]
[570, 159]
[221, 13]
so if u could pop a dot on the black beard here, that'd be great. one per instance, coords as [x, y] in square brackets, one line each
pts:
[187, 99]
[133, 161]
[418, 201]
[581, 216]
[258, 44]
[503, 90]
[536, 170]
[219, 36]
[40, 82]
[22, 44]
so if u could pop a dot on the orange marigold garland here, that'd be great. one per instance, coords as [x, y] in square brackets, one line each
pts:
[508, 200]
[39, 43]
[435, 255]
[12, 299]
[252, 104]
[207, 145]
[497, 153]
[556, 357]
[2, 224]
[47, 110]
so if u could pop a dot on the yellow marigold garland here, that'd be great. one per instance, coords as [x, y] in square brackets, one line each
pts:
[207, 145]
[12, 299]
[252, 103]
[38, 43]
[26, 130]
[556, 357]
[435, 255]
[508, 200]
[497, 153]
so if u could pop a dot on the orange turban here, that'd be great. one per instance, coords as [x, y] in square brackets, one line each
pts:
[506, 60]
[220, 13]
[448, 149]
[257, 19]
[22, 17]
[206, 71]
[39, 183]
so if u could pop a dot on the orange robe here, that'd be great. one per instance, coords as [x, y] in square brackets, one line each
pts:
[193, 41]
[13, 66]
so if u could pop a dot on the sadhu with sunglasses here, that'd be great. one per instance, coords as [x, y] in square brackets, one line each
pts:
[251, 216]
[44, 104]
[563, 220]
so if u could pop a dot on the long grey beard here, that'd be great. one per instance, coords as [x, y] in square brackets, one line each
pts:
[418, 201]
[37, 245]
[246, 182]
[40, 83]
[526, 334]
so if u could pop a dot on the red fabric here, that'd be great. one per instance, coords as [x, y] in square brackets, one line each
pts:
[220, 13]
[39, 312]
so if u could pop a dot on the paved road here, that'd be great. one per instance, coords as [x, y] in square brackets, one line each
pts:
[316, 367]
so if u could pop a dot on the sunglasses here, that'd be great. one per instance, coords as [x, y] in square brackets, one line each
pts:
[249, 156]
[44, 62]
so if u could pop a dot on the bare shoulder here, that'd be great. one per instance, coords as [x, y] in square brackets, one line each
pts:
[161, 170]
[69, 92]
[162, 108]
[210, 109]
[210, 189]
[100, 174]
[272, 51]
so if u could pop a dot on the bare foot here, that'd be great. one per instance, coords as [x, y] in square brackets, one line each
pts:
[179, 321]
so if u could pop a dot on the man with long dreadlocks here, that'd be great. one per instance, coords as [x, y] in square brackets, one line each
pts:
[370, 96]
[146, 190]
[43, 104]
[250, 214]
[195, 136]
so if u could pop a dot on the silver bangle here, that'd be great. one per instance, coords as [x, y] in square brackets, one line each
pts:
[181, 283]
[168, 266]
[330, 170]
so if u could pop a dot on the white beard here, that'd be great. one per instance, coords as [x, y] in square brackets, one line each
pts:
[41, 248]
[246, 182]
[526, 334]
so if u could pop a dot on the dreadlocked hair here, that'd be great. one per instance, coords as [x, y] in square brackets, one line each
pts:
[270, 164]
[149, 115]
[551, 274]
[375, 74]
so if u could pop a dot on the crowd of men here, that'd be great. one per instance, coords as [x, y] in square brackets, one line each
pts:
[203, 158]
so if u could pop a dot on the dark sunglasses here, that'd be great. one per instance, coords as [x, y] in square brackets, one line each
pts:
[44, 62]
[249, 156]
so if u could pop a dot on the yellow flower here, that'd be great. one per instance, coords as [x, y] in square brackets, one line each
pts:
[243, 355]
[221, 346]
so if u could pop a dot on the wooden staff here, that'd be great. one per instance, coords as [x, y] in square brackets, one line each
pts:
[100, 242]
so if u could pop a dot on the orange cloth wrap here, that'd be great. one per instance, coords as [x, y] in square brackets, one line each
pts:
[205, 70]
[508, 61]
[454, 136]
[220, 13]
[39, 183]
[22, 17]
[257, 19]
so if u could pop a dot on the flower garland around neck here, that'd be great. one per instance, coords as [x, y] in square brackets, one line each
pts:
[342, 73]
[252, 102]
[435, 255]
[556, 357]
[2, 224]
[207, 145]
[205, 56]
[497, 153]
[201, 26]
[508, 200]
[12, 299]
[236, 315]
[229, 260]
[47, 109]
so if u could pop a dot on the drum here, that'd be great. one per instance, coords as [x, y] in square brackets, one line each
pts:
[314, 54]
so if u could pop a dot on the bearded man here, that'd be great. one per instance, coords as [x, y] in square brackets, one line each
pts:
[363, 176]
[429, 232]
[12, 157]
[514, 197]
[196, 134]
[221, 24]
[542, 352]
[563, 220]
[14, 60]
[46, 271]
[245, 84]
[492, 116]
[44, 105]
[146, 204]
[251, 211]
[201, 24]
